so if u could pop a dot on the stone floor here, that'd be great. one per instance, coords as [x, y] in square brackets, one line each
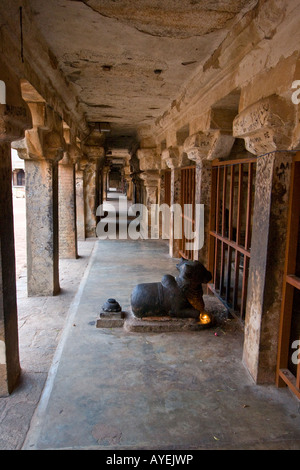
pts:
[110, 389]
[85, 387]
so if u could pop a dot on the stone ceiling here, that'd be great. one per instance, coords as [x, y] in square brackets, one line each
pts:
[130, 59]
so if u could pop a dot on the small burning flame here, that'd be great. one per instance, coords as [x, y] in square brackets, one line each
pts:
[204, 318]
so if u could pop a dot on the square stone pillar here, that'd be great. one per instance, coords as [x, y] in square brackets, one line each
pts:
[269, 234]
[92, 163]
[9, 352]
[203, 197]
[14, 120]
[174, 241]
[105, 175]
[42, 149]
[267, 129]
[80, 208]
[171, 159]
[67, 209]
[41, 191]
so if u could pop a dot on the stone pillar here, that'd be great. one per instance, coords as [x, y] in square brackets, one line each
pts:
[42, 148]
[14, 119]
[151, 181]
[67, 197]
[67, 209]
[203, 148]
[150, 165]
[94, 157]
[80, 206]
[171, 158]
[105, 173]
[266, 128]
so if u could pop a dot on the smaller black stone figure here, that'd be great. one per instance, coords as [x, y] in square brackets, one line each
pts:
[180, 297]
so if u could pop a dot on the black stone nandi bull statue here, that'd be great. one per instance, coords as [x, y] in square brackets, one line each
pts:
[180, 297]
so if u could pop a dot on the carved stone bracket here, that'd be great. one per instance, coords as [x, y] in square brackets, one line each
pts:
[14, 121]
[45, 140]
[266, 125]
[149, 159]
[94, 153]
[171, 157]
[208, 145]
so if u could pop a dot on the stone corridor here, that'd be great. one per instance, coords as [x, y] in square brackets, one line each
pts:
[187, 105]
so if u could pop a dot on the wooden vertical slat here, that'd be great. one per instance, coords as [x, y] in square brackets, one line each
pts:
[231, 195]
[217, 225]
[224, 201]
[239, 204]
[212, 221]
[249, 204]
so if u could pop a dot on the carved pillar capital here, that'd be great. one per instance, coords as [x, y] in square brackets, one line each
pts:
[267, 125]
[208, 145]
[149, 159]
[45, 140]
[14, 121]
[171, 157]
[94, 153]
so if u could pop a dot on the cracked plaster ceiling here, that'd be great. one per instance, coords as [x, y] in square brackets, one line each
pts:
[130, 59]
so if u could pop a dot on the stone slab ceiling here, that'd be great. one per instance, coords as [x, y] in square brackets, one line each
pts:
[130, 59]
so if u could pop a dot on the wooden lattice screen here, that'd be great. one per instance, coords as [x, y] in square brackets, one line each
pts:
[232, 201]
[288, 371]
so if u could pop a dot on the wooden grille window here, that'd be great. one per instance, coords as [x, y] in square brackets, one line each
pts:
[288, 370]
[188, 179]
[232, 202]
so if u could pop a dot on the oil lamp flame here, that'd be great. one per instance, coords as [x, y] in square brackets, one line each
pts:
[204, 318]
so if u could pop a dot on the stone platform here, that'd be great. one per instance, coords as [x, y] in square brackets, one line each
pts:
[130, 323]
[163, 324]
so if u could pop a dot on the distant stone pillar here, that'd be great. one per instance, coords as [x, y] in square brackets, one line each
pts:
[67, 197]
[105, 173]
[151, 181]
[43, 148]
[80, 206]
[14, 119]
[94, 157]
[171, 157]
[150, 165]
[203, 148]
[266, 127]
[67, 209]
